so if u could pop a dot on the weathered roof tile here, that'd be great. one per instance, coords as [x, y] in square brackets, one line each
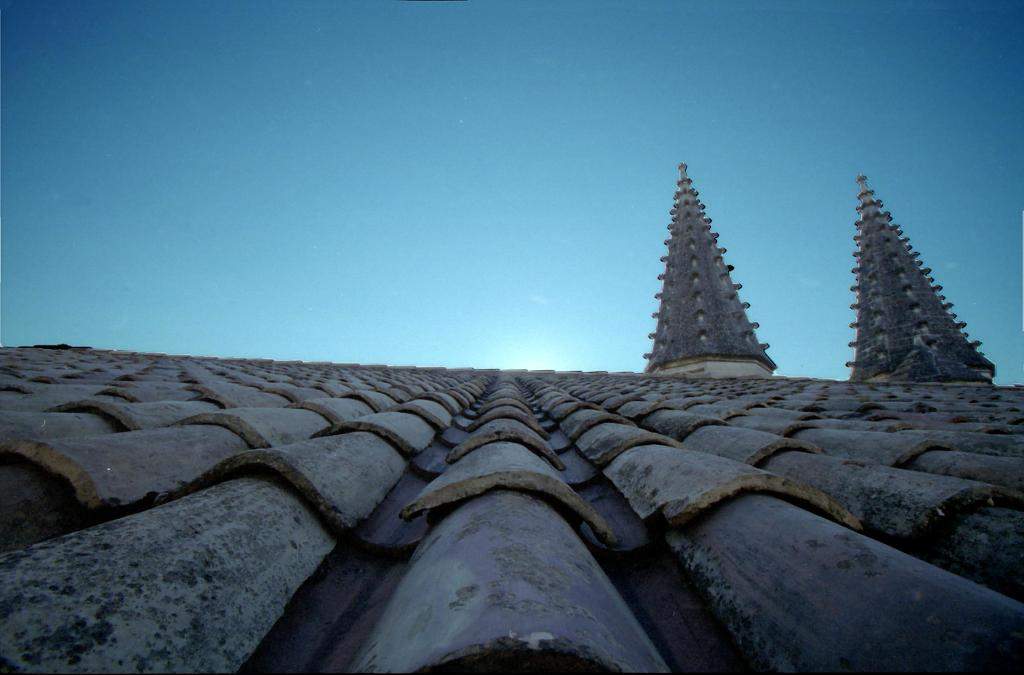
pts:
[579, 422]
[124, 468]
[343, 476]
[508, 412]
[874, 446]
[406, 431]
[1005, 471]
[45, 397]
[16, 425]
[432, 412]
[136, 416]
[228, 395]
[504, 465]
[211, 572]
[506, 582]
[681, 484]
[335, 410]
[577, 470]
[264, 427]
[604, 442]
[505, 429]
[743, 445]
[893, 502]
[677, 424]
[898, 612]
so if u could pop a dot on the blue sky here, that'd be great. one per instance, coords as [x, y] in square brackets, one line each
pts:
[487, 184]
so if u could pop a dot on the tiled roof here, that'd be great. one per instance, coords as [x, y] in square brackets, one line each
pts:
[175, 513]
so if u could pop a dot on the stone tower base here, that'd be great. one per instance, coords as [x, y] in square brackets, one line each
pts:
[713, 368]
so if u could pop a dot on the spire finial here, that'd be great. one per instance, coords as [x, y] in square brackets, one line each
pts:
[682, 171]
[862, 180]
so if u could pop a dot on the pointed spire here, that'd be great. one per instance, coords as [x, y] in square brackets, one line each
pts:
[905, 331]
[702, 323]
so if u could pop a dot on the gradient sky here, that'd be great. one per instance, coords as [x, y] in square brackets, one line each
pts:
[487, 184]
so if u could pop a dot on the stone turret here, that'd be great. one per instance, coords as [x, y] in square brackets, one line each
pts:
[905, 331]
[703, 328]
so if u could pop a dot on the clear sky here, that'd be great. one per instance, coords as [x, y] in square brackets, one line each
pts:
[487, 184]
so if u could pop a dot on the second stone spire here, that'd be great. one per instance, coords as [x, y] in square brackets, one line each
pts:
[905, 329]
[703, 328]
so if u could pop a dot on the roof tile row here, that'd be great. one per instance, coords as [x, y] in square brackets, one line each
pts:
[230, 513]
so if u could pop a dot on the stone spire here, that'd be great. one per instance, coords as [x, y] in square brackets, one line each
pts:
[905, 331]
[703, 328]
